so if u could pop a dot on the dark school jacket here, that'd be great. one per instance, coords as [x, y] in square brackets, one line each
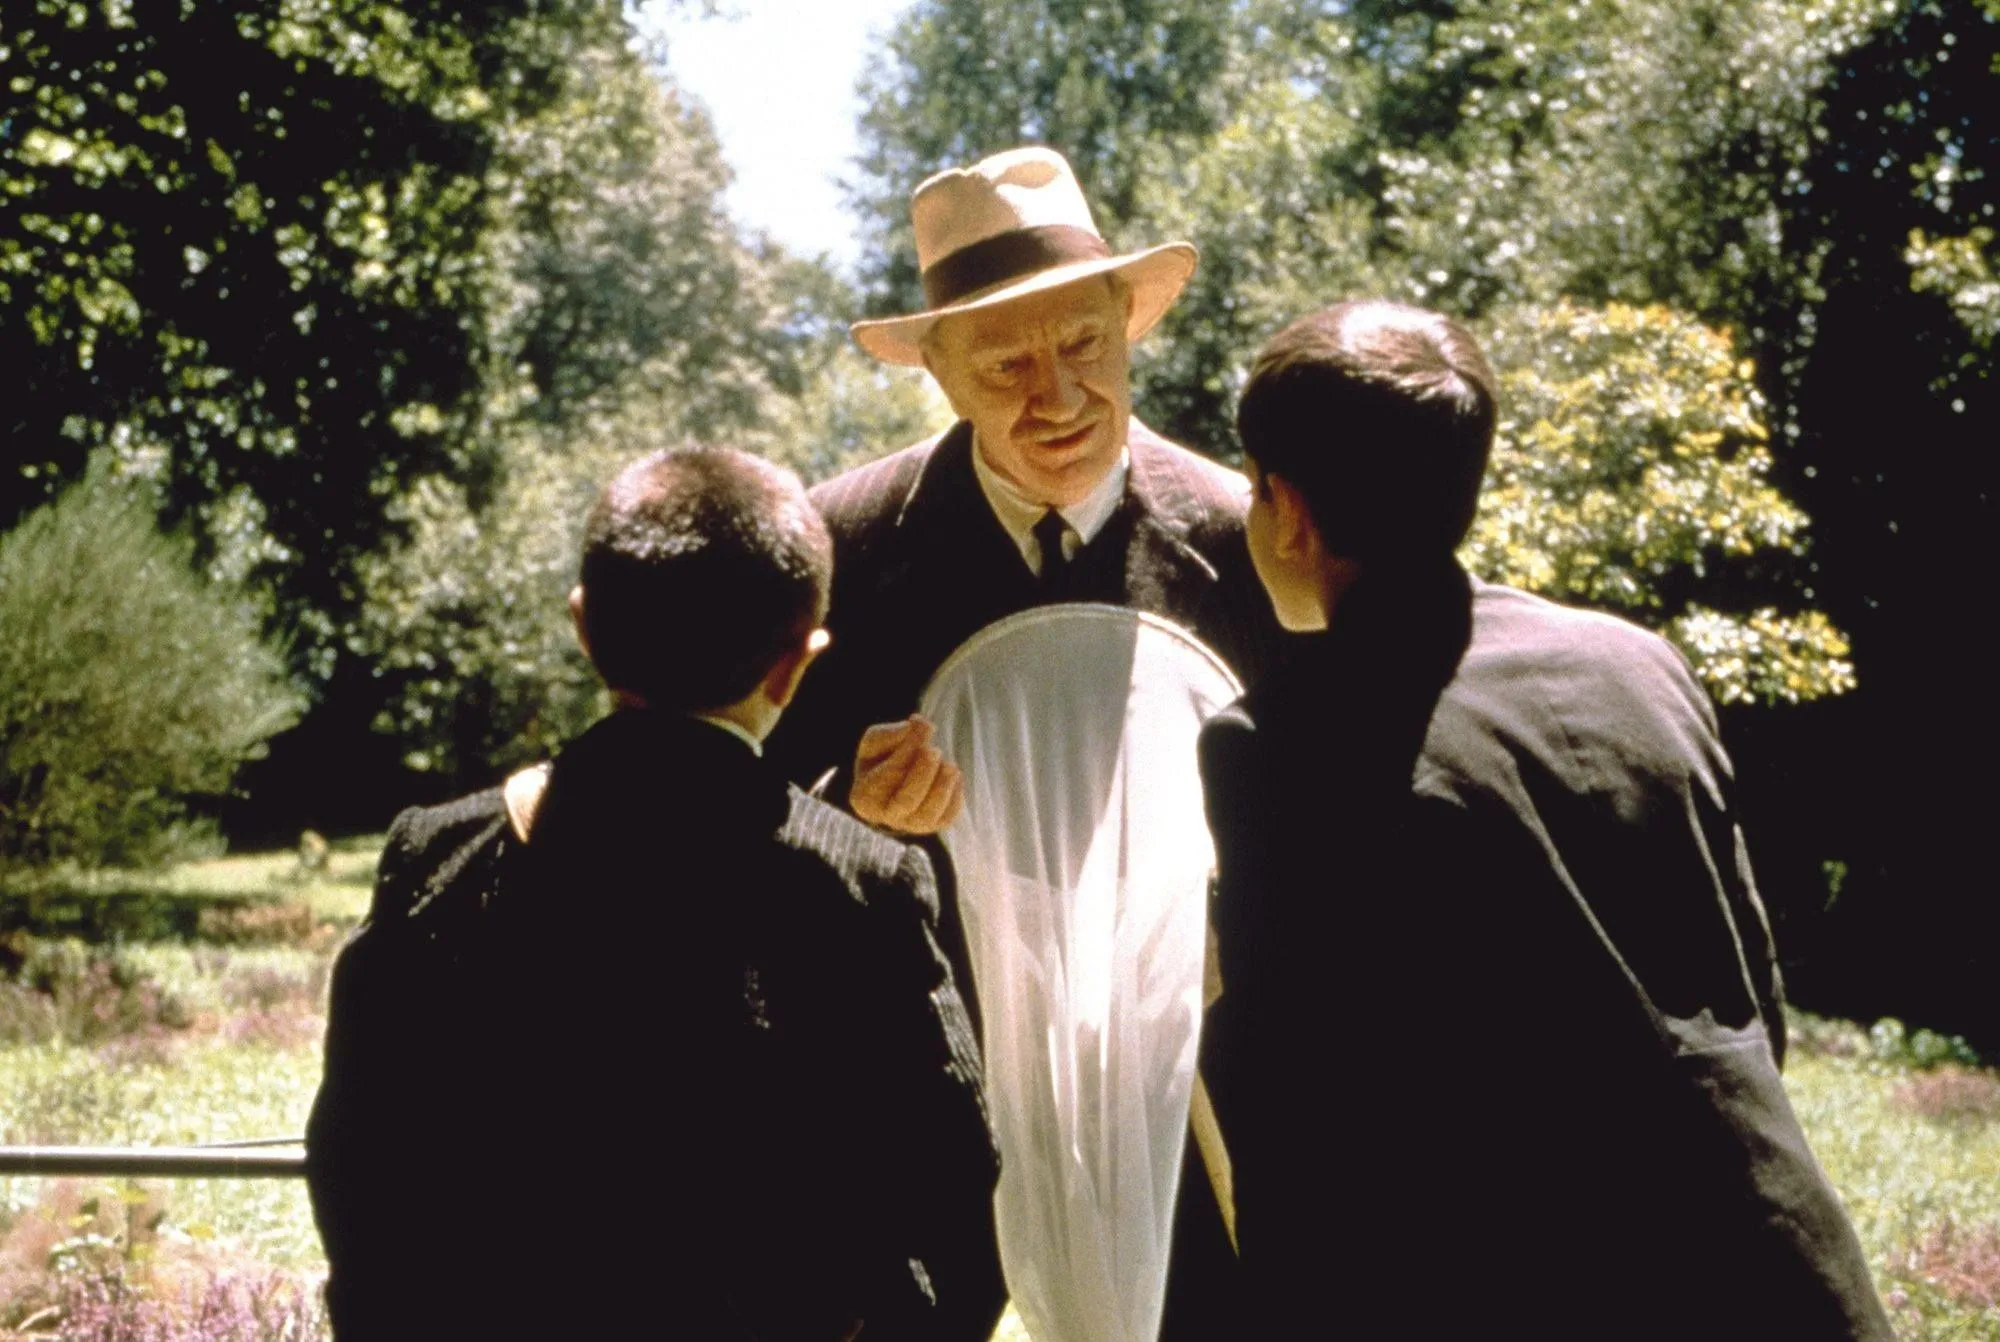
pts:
[689, 1063]
[1500, 1026]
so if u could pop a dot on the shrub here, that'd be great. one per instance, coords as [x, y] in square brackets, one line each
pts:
[96, 1303]
[256, 923]
[1960, 1264]
[129, 686]
[263, 987]
[1891, 1042]
[1951, 1094]
[65, 991]
[467, 621]
[1631, 471]
[1824, 1036]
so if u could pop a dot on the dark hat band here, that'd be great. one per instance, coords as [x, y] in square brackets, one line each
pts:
[1009, 256]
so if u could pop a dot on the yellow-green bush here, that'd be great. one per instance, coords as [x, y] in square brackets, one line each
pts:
[129, 685]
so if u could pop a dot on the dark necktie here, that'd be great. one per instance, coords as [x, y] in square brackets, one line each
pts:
[1048, 533]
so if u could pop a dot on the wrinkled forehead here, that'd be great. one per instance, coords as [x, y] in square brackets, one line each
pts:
[1088, 305]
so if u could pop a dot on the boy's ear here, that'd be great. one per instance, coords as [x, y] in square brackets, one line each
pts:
[781, 682]
[1293, 533]
[576, 621]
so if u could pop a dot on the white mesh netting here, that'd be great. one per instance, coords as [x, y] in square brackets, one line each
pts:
[1083, 859]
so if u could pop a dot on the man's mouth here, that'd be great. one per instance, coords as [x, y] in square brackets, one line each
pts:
[1075, 438]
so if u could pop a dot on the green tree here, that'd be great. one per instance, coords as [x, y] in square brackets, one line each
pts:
[1889, 406]
[1631, 472]
[1538, 167]
[1812, 182]
[613, 271]
[242, 249]
[466, 617]
[1116, 86]
[626, 314]
[130, 687]
[1963, 270]
[852, 410]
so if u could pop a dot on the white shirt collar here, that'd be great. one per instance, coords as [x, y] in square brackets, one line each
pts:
[1018, 513]
[735, 729]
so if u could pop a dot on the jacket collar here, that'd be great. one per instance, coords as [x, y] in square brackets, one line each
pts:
[1398, 630]
[1164, 510]
[638, 761]
[1158, 485]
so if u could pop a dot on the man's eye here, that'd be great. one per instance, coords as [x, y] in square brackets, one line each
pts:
[1006, 370]
[1085, 347]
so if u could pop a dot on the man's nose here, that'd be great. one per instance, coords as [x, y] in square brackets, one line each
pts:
[1059, 394]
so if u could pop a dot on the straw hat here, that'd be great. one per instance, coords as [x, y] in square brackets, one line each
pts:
[1010, 225]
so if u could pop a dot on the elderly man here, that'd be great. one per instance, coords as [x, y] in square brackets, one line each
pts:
[1046, 490]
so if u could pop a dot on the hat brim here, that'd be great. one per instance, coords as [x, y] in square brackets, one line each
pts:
[1157, 276]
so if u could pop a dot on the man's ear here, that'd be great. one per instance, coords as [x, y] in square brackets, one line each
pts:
[939, 381]
[1293, 532]
[781, 682]
[576, 621]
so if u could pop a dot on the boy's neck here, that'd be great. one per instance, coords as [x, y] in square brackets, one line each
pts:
[736, 729]
[751, 717]
[1334, 580]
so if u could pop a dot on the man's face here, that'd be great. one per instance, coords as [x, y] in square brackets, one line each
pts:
[1044, 380]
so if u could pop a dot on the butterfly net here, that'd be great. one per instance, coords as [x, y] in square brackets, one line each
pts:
[1083, 859]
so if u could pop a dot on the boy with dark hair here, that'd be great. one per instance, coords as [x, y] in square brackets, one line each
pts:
[1486, 846]
[659, 1047]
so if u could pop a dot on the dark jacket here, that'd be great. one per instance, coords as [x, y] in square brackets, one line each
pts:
[1481, 875]
[921, 564]
[688, 1064]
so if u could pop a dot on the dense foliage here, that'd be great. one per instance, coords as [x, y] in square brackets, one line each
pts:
[129, 686]
[1116, 86]
[616, 283]
[1805, 189]
[399, 256]
[370, 292]
[468, 616]
[1503, 161]
[1631, 473]
[1886, 390]
[626, 314]
[239, 249]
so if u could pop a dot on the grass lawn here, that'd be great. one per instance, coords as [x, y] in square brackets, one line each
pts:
[1916, 1157]
[198, 1041]
[336, 891]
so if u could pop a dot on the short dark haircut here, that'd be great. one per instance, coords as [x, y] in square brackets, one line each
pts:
[702, 566]
[1381, 416]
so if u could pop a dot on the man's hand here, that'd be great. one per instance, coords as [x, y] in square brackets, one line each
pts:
[904, 783]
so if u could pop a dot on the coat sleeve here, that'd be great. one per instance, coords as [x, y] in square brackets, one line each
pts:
[377, 1191]
[1713, 801]
[934, 1155]
[354, 1128]
[1227, 760]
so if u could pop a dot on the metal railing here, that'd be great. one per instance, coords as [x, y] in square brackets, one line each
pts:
[252, 1158]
